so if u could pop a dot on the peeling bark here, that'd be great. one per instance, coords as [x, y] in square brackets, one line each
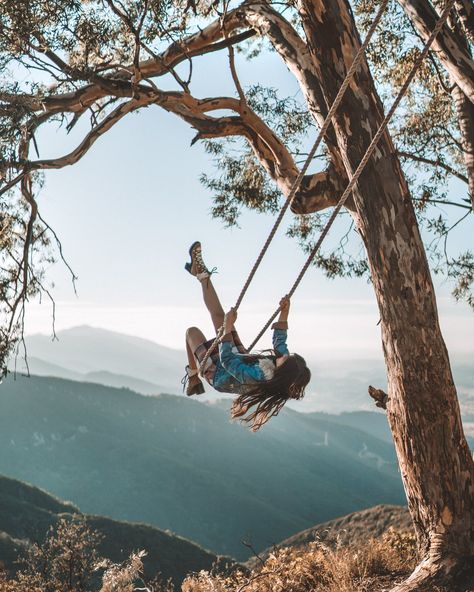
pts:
[318, 192]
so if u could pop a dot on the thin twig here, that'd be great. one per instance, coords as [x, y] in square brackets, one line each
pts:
[436, 163]
[440, 201]
[74, 277]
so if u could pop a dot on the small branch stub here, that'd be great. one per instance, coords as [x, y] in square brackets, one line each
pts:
[379, 396]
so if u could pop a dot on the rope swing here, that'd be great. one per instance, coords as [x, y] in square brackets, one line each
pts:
[353, 180]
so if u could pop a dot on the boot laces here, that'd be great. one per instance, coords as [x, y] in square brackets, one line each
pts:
[185, 379]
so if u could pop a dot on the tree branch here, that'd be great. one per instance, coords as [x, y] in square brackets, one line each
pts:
[465, 10]
[319, 191]
[206, 41]
[114, 117]
[435, 163]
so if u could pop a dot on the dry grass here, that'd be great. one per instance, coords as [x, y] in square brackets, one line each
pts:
[318, 567]
[67, 561]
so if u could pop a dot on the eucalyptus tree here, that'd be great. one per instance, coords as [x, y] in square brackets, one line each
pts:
[101, 60]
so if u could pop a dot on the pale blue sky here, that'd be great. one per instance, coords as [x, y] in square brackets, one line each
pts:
[127, 212]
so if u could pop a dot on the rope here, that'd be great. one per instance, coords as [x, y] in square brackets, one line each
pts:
[297, 183]
[363, 162]
[355, 176]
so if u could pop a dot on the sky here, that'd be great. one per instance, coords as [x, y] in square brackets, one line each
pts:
[128, 211]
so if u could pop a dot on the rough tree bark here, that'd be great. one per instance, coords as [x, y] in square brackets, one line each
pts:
[423, 411]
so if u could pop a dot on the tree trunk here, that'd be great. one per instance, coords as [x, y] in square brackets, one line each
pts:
[465, 112]
[423, 411]
[465, 10]
[449, 47]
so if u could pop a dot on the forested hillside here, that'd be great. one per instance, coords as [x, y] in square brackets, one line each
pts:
[178, 464]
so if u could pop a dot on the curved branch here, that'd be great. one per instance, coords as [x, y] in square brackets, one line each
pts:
[319, 191]
[267, 146]
[291, 48]
[114, 117]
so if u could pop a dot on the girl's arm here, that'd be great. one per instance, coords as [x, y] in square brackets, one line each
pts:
[242, 372]
[280, 329]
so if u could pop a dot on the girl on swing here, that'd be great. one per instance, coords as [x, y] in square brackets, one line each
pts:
[263, 383]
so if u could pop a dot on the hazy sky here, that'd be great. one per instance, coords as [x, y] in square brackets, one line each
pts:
[128, 211]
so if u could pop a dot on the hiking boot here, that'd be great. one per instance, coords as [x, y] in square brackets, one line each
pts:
[197, 266]
[192, 383]
[195, 386]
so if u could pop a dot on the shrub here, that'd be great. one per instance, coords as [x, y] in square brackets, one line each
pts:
[319, 568]
[67, 561]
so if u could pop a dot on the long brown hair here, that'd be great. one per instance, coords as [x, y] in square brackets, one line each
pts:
[268, 397]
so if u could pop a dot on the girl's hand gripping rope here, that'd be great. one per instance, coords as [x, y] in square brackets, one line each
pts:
[229, 320]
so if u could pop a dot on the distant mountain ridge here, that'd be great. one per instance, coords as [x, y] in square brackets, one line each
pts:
[26, 513]
[87, 353]
[178, 464]
[97, 355]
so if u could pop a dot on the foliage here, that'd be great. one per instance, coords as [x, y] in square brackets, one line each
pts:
[68, 561]
[242, 183]
[65, 562]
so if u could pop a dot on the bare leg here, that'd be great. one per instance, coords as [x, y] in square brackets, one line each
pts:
[193, 369]
[194, 338]
[212, 302]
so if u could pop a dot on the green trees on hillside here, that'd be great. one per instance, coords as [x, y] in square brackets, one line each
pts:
[101, 60]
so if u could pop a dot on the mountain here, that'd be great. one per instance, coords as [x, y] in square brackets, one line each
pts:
[39, 367]
[83, 350]
[26, 514]
[353, 529]
[179, 464]
[373, 422]
[122, 380]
